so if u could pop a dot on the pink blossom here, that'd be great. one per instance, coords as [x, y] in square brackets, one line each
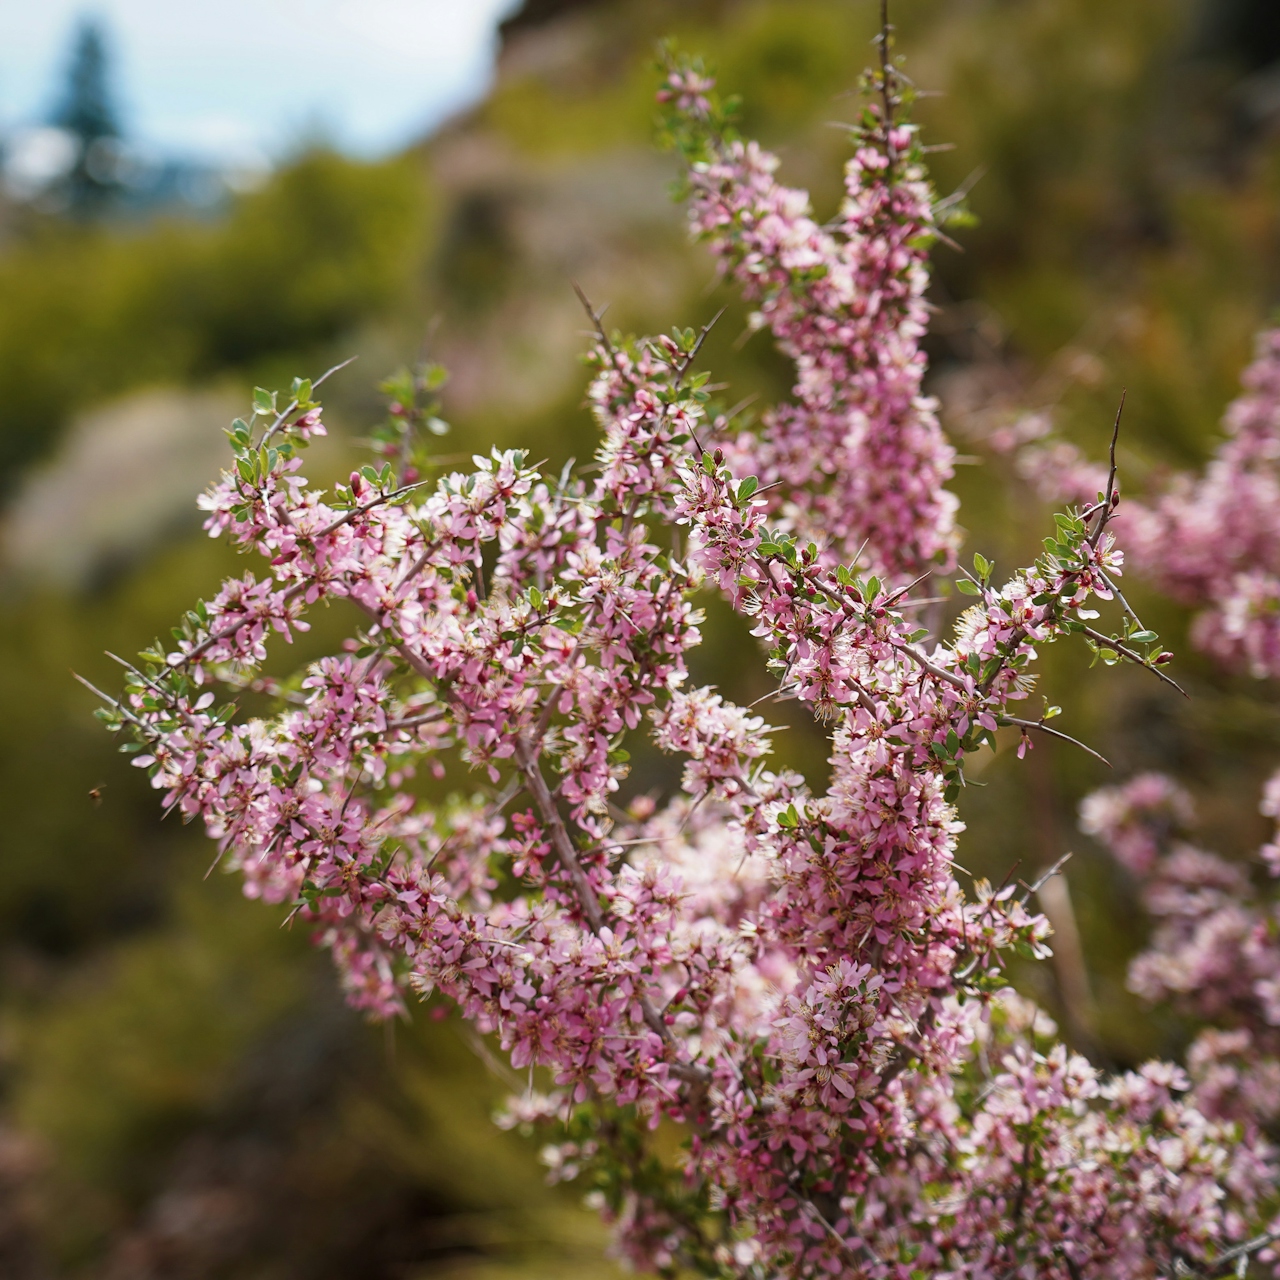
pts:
[795, 977]
[1210, 540]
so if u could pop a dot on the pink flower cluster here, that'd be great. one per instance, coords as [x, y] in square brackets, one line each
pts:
[1215, 949]
[1215, 541]
[1212, 540]
[857, 462]
[797, 979]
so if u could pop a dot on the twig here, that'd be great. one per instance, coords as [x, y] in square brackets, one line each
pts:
[783, 691]
[923, 662]
[1057, 733]
[412, 722]
[891, 600]
[1105, 642]
[527, 761]
[1008, 875]
[119, 706]
[1124, 604]
[293, 404]
[1248, 1247]
[368, 506]
[1033, 889]
[840, 1242]
[1108, 503]
[983, 589]
[194, 655]
[151, 684]
[744, 403]
[596, 317]
[964, 188]
[886, 93]
[697, 346]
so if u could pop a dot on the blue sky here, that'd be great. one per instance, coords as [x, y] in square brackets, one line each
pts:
[235, 79]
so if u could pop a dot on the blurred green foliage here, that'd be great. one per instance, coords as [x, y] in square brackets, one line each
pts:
[195, 1100]
[87, 312]
[209, 1070]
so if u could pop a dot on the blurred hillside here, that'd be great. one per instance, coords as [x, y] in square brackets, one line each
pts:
[183, 1095]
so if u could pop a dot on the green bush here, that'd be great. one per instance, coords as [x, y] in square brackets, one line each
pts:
[88, 312]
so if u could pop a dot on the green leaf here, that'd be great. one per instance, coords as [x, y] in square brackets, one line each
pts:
[747, 488]
[264, 401]
[965, 587]
[982, 565]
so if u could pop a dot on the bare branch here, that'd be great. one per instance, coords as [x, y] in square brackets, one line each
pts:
[1056, 733]
[1109, 500]
[921, 661]
[1244, 1250]
[596, 316]
[891, 600]
[697, 346]
[293, 404]
[1124, 604]
[1033, 889]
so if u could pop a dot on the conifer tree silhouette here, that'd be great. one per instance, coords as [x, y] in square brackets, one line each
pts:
[88, 112]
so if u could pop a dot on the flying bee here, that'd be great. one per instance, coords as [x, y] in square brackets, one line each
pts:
[95, 793]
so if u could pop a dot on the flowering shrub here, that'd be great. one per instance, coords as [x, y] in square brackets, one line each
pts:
[795, 982]
[1211, 541]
